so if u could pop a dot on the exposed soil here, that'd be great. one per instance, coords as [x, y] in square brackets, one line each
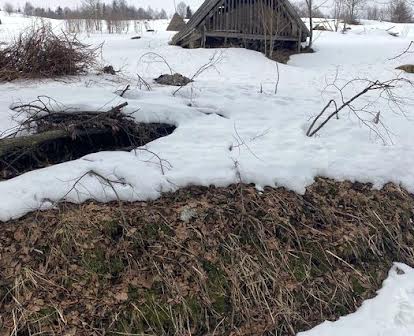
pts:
[203, 261]
[281, 53]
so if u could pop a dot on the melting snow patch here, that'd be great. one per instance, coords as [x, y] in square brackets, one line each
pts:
[390, 313]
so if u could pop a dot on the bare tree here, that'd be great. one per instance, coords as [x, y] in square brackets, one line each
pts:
[8, 8]
[270, 20]
[309, 4]
[372, 13]
[400, 12]
[352, 8]
[312, 11]
[28, 9]
[302, 9]
[189, 13]
[182, 9]
[163, 15]
[337, 13]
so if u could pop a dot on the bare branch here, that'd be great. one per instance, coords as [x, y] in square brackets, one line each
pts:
[406, 51]
[155, 56]
[215, 59]
[374, 123]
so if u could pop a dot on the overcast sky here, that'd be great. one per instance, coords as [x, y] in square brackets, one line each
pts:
[168, 5]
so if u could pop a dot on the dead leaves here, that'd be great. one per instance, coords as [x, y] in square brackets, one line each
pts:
[121, 296]
[236, 253]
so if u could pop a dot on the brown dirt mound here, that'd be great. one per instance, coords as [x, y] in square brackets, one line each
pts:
[407, 68]
[173, 80]
[203, 261]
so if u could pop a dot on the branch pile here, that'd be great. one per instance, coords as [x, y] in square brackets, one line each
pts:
[49, 137]
[41, 53]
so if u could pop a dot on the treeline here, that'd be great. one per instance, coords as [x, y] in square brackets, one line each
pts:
[96, 9]
[98, 16]
[398, 11]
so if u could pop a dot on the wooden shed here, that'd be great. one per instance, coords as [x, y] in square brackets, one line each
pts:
[262, 23]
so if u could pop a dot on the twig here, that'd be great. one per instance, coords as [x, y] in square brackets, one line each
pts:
[213, 61]
[157, 56]
[278, 78]
[406, 51]
[142, 81]
[385, 89]
[100, 177]
[346, 263]
[124, 91]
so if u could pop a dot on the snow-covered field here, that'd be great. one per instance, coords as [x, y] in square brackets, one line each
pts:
[231, 125]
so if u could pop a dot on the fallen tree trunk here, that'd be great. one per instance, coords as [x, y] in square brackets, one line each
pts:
[28, 142]
[56, 137]
[58, 125]
[9, 145]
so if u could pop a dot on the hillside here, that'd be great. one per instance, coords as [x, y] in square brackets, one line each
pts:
[242, 123]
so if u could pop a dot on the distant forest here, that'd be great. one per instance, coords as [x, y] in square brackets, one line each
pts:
[96, 9]
[399, 11]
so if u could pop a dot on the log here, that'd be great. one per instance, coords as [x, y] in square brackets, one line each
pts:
[9, 145]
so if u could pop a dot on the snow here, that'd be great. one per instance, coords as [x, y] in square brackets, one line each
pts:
[391, 312]
[231, 125]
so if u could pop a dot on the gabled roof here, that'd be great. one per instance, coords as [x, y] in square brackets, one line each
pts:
[197, 17]
[176, 24]
[296, 16]
[208, 5]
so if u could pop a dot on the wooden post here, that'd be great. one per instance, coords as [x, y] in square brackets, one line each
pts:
[250, 26]
[204, 38]
[299, 39]
[222, 16]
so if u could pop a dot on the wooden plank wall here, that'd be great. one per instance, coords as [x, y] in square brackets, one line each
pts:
[253, 17]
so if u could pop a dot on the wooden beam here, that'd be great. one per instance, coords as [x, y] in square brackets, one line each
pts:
[191, 39]
[238, 35]
[299, 40]
[204, 37]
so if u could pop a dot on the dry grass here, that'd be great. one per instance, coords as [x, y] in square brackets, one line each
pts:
[203, 261]
[41, 53]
